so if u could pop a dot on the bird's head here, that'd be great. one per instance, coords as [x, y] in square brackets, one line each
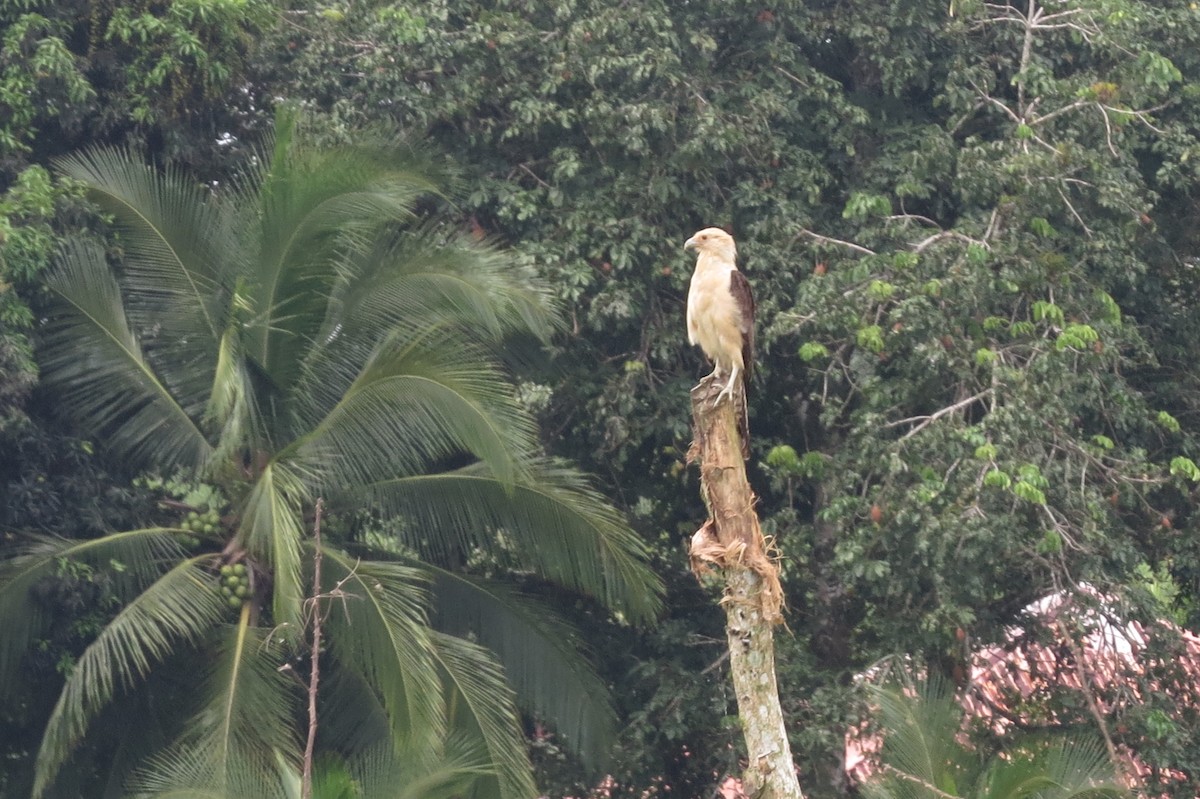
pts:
[714, 241]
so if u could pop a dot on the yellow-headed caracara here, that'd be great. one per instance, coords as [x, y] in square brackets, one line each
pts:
[720, 314]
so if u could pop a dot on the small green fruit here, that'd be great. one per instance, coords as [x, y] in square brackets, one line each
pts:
[226, 570]
[210, 528]
[242, 591]
[234, 602]
[226, 591]
[239, 568]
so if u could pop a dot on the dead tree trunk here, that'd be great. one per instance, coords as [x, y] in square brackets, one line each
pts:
[732, 542]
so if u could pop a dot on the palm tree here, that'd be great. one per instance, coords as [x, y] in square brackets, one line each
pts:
[926, 756]
[303, 334]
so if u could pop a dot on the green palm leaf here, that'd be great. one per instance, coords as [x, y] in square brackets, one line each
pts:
[234, 744]
[921, 722]
[1053, 769]
[384, 773]
[482, 704]
[542, 657]
[134, 559]
[314, 208]
[251, 701]
[353, 717]
[176, 240]
[179, 261]
[380, 630]
[177, 609]
[197, 771]
[428, 274]
[417, 402]
[282, 339]
[924, 757]
[558, 525]
[101, 376]
[272, 530]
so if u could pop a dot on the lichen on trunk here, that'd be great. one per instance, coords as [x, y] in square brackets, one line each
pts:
[732, 542]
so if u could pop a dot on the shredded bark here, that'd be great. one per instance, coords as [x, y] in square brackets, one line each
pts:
[731, 537]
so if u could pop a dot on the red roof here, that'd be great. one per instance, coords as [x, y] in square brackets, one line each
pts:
[1078, 645]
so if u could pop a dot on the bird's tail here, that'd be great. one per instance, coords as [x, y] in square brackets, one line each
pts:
[743, 421]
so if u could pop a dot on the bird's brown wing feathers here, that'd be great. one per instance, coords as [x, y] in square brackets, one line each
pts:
[739, 287]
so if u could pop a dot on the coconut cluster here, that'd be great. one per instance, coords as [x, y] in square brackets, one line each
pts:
[235, 584]
[207, 522]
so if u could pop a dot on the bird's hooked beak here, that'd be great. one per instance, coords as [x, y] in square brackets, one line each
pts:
[690, 244]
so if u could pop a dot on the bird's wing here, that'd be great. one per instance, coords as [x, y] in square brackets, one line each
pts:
[743, 297]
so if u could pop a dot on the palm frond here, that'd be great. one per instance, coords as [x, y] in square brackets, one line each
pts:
[179, 257]
[133, 559]
[1053, 769]
[559, 526]
[242, 742]
[541, 654]
[272, 529]
[176, 610]
[101, 374]
[231, 409]
[385, 773]
[353, 718]
[924, 757]
[430, 274]
[315, 207]
[482, 704]
[418, 401]
[197, 771]
[921, 723]
[176, 239]
[251, 702]
[380, 630]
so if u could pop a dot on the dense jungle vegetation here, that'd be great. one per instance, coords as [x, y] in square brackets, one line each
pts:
[413, 273]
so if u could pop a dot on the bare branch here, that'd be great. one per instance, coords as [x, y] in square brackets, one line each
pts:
[923, 245]
[533, 175]
[306, 789]
[1107, 129]
[1059, 112]
[828, 240]
[791, 77]
[1087, 230]
[912, 218]
[924, 421]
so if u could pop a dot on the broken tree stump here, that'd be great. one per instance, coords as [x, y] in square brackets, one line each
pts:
[731, 542]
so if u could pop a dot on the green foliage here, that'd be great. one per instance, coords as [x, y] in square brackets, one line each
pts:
[1013, 225]
[288, 340]
[996, 237]
[62, 67]
[812, 350]
[923, 756]
[862, 204]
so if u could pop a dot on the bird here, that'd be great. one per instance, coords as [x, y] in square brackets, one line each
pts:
[720, 312]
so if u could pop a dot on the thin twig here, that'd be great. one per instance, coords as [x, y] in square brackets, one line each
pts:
[925, 421]
[1085, 687]
[314, 676]
[828, 240]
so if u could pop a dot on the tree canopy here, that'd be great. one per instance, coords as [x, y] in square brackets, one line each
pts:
[970, 227]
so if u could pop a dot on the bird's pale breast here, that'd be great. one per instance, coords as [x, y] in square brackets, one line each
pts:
[712, 317]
